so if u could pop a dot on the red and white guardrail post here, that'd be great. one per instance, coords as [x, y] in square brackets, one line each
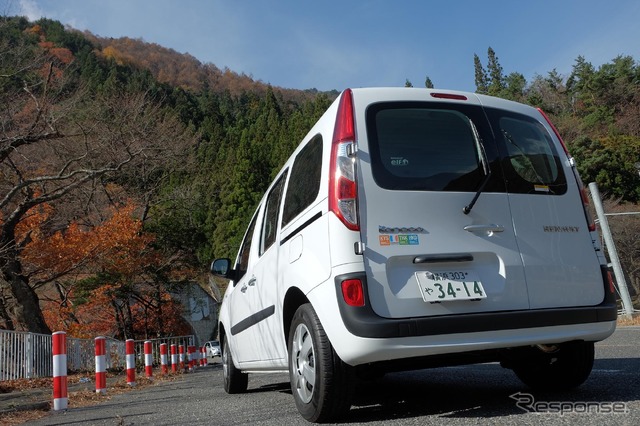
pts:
[203, 356]
[187, 358]
[174, 358]
[148, 359]
[191, 351]
[181, 353]
[59, 343]
[131, 362]
[101, 365]
[163, 358]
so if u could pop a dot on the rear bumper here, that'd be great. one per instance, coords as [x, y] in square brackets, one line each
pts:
[364, 322]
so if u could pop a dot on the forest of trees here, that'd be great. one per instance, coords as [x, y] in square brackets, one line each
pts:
[125, 167]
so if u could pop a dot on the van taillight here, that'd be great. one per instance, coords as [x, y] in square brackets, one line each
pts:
[576, 175]
[612, 287]
[585, 203]
[352, 292]
[343, 190]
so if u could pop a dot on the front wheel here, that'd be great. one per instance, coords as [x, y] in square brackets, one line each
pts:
[557, 368]
[235, 381]
[322, 385]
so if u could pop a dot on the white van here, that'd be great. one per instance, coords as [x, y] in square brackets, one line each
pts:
[415, 228]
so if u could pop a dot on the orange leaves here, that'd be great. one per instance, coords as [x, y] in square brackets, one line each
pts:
[118, 258]
[36, 29]
[117, 246]
[94, 318]
[64, 55]
[32, 224]
[126, 249]
[111, 52]
[61, 54]
[100, 314]
[58, 57]
[114, 54]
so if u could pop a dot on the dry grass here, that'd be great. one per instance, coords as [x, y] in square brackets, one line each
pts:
[629, 320]
[81, 398]
[21, 417]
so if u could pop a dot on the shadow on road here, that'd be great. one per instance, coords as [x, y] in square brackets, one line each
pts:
[482, 391]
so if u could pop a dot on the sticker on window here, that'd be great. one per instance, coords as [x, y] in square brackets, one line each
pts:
[399, 161]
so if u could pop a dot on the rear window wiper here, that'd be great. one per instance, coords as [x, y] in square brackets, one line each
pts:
[485, 167]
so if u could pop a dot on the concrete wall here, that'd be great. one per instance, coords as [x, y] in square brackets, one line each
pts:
[200, 310]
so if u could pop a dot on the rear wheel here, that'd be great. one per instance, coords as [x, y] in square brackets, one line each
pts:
[235, 381]
[556, 367]
[322, 385]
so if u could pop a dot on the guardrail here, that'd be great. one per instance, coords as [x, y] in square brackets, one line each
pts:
[26, 355]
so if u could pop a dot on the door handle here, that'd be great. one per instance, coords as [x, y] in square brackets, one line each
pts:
[243, 289]
[488, 230]
[252, 281]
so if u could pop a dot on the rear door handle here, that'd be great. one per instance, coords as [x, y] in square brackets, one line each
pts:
[252, 281]
[489, 229]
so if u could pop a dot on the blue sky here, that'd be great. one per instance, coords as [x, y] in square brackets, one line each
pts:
[337, 44]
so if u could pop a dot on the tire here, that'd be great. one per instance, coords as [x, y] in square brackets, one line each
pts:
[567, 367]
[322, 385]
[235, 381]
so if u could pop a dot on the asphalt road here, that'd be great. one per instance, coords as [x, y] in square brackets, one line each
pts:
[468, 395]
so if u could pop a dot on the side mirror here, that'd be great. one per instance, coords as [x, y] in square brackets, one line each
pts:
[222, 268]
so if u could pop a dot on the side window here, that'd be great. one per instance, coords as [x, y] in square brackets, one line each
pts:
[304, 184]
[270, 219]
[245, 249]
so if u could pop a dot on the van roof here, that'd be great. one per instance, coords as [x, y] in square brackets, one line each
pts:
[375, 94]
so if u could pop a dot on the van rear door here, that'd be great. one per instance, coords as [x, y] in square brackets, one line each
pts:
[420, 164]
[561, 265]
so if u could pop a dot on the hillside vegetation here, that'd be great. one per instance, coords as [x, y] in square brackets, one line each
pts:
[125, 167]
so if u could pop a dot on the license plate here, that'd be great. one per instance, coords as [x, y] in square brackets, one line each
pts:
[444, 286]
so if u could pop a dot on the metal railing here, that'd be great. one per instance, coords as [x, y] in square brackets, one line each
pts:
[26, 355]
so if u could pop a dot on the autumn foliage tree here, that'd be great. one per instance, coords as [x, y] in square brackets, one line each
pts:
[68, 147]
[106, 279]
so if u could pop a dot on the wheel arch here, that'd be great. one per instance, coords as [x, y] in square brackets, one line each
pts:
[222, 336]
[292, 301]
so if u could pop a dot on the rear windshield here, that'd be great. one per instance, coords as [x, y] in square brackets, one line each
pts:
[422, 148]
[437, 147]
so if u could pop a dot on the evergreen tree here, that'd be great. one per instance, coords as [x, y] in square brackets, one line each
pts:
[496, 77]
[580, 82]
[515, 87]
[427, 83]
[482, 85]
[613, 169]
